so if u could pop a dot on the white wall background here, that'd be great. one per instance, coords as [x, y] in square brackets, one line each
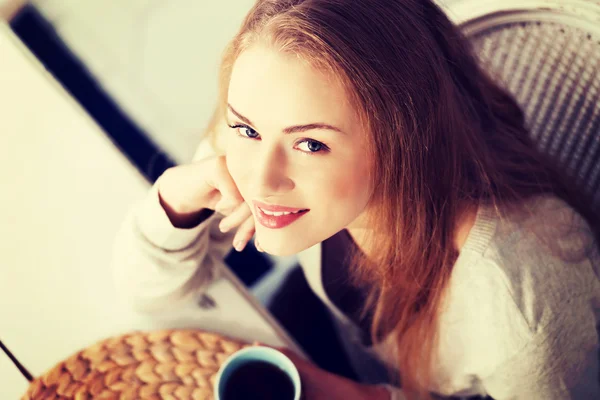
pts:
[158, 59]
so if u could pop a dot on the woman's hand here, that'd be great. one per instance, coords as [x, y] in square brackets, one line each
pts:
[318, 384]
[187, 191]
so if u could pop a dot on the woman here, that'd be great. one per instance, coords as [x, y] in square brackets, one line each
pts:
[367, 128]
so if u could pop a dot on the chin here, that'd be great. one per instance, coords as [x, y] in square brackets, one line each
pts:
[279, 247]
[281, 250]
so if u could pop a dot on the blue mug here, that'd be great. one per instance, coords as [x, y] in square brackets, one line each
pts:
[256, 354]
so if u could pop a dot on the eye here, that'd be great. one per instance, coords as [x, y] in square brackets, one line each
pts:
[245, 131]
[311, 146]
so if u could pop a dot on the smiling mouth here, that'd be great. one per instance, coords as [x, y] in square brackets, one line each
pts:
[277, 217]
[280, 213]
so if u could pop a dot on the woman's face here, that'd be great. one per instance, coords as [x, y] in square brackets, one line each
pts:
[296, 147]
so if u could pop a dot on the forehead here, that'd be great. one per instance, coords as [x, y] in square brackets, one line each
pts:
[277, 90]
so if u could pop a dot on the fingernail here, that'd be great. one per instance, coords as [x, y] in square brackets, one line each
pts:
[258, 248]
[239, 246]
[223, 227]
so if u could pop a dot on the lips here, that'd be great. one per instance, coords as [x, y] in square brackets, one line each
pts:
[276, 217]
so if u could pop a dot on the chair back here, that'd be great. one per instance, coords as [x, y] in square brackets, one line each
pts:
[547, 54]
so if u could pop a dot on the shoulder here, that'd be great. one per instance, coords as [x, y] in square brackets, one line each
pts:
[509, 292]
[540, 262]
[544, 228]
[527, 292]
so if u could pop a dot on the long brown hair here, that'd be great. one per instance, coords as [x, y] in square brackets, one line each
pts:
[443, 137]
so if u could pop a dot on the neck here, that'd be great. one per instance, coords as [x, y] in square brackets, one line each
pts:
[360, 236]
[465, 222]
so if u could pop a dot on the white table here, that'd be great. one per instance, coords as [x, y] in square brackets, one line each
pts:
[65, 190]
[12, 383]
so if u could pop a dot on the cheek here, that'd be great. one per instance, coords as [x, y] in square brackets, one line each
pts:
[350, 177]
[349, 187]
[237, 163]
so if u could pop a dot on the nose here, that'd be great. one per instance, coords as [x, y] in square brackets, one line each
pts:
[270, 172]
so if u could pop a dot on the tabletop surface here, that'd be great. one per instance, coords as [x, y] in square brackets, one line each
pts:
[12, 383]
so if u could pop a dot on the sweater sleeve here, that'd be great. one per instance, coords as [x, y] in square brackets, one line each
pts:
[156, 264]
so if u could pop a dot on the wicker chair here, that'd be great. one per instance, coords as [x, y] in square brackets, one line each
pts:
[547, 54]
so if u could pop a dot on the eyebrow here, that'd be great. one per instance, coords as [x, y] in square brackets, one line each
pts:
[291, 129]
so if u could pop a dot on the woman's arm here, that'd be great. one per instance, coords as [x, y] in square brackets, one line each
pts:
[156, 264]
[158, 260]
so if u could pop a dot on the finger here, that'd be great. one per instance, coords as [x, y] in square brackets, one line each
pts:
[257, 245]
[226, 205]
[303, 365]
[237, 217]
[214, 200]
[244, 234]
[287, 352]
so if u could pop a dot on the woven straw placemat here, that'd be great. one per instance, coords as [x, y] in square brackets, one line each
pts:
[167, 364]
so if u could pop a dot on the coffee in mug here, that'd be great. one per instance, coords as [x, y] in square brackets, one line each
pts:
[258, 373]
[260, 380]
